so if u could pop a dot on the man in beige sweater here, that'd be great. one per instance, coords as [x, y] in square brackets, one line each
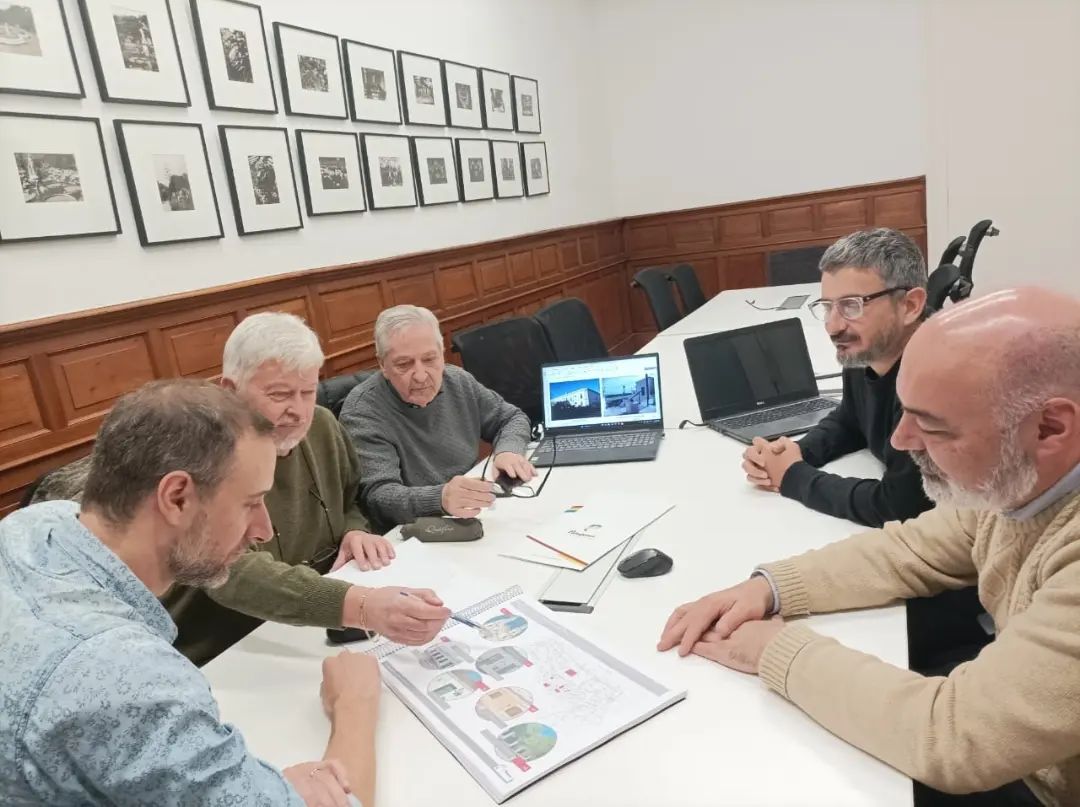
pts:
[991, 397]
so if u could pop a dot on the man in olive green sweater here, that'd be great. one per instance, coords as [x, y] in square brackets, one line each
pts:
[991, 398]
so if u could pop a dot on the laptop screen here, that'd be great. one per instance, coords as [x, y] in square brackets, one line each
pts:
[603, 393]
[750, 368]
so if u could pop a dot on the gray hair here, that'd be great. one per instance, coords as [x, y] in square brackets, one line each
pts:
[1044, 364]
[270, 336]
[398, 318]
[890, 253]
[162, 427]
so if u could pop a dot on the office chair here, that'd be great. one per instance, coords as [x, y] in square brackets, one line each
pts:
[654, 282]
[952, 250]
[981, 230]
[332, 392]
[571, 330]
[952, 282]
[686, 279]
[794, 266]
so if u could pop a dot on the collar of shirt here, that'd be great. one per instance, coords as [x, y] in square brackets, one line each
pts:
[1067, 485]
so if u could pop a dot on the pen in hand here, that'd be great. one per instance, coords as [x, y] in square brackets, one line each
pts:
[453, 616]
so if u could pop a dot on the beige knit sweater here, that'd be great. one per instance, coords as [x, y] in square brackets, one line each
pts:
[1013, 712]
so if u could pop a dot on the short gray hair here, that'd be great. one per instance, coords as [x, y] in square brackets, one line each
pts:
[270, 336]
[1044, 364]
[398, 318]
[890, 253]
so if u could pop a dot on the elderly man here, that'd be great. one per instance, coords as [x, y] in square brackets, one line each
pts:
[873, 298]
[99, 708]
[417, 426]
[272, 360]
[991, 398]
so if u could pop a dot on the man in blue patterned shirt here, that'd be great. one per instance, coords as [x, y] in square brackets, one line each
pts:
[98, 708]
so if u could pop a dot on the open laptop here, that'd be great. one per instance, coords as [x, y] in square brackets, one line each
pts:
[601, 410]
[756, 381]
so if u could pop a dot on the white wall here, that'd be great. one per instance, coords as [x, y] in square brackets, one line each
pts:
[712, 101]
[1005, 136]
[538, 38]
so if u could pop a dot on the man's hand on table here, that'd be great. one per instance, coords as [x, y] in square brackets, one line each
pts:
[369, 551]
[720, 612]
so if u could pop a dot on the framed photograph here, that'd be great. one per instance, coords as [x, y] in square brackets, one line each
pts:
[168, 177]
[330, 169]
[463, 95]
[36, 54]
[474, 164]
[54, 179]
[234, 55]
[526, 104]
[422, 91]
[435, 169]
[309, 64]
[534, 168]
[388, 171]
[134, 51]
[258, 161]
[506, 164]
[497, 106]
[372, 83]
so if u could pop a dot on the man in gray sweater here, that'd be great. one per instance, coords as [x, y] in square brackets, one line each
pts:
[417, 426]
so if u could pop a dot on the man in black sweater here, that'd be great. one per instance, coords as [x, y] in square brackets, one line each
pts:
[873, 298]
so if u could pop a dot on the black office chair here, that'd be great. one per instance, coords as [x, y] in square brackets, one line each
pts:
[946, 283]
[952, 282]
[506, 357]
[952, 250]
[654, 282]
[571, 330]
[686, 280]
[794, 266]
[332, 392]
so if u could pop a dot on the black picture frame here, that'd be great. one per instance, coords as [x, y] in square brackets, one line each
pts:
[74, 63]
[514, 95]
[484, 94]
[403, 94]
[461, 168]
[108, 181]
[222, 133]
[495, 166]
[95, 58]
[526, 172]
[208, 81]
[284, 76]
[416, 170]
[446, 95]
[347, 67]
[368, 172]
[300, 153]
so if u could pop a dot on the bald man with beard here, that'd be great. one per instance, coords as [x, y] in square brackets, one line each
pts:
[990, 392]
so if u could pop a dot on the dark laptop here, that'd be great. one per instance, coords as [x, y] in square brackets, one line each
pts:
[601, 410]
[756, 381]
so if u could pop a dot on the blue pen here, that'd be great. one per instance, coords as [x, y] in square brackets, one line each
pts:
[453, 616]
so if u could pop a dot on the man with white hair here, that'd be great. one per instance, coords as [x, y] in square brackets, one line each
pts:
[272, 360]
[417, 426]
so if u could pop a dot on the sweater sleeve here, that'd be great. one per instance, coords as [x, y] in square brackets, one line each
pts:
[502, 424]
[836, 435]
[1010, 712]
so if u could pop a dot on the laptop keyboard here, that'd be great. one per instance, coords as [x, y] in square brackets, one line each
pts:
[590, 442]
[778, 413]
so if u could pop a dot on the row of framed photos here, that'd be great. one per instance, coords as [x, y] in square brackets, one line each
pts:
[136, 59]
[54, 177]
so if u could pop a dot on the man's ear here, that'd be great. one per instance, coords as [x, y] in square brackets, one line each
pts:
[228, 383]
[1059, 421]
[176, 497]
[914, 304]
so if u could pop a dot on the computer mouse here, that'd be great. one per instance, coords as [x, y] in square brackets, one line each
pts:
[645, 563]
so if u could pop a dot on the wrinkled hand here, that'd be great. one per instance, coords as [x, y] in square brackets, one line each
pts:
[743, 649]
[465, 497]
[320, 784]
[514, 465]
[721, 612]
[412, 620]
[349, 679]
[369, 551]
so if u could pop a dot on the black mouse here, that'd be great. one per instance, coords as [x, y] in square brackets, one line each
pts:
[645, 563]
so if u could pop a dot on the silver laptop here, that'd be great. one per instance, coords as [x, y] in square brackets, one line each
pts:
[756, 381]
[601, 410]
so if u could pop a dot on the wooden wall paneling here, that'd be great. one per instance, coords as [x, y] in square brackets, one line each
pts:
[350, 310]
[456, 285]
[494, 274]
[790, 222]
[903, 209]
[522, 268]
[194, 348]
[568, 252]
[547, 260]
[744, 271]
[20, 412]
[736, 229]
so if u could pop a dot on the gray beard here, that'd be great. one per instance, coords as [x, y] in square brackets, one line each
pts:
[881, 346]
[1007, 485]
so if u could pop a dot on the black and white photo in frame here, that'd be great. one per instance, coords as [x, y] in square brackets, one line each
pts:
[506, 164]
[258, 161]
[36, 54]
[168, 177]
[534, 168]
[310, 68]
[463, 95]
[436, 170]
[526, 104]
[371, 81]
[330, 170]
[134, 50]
[422, 92]
[234, 55]
[498, 103]
[54, 178]
[388, 171]
[474, 162]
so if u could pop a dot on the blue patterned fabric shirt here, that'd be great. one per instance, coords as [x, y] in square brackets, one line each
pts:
[98, 708]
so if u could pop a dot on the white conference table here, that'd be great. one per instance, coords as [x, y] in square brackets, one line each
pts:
[730, 742]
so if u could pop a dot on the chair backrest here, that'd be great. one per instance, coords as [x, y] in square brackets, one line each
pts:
[654, 282]
[571, 330]
[686, 280]
[946, 282]
[506, 357]
[332, 392]
[794, 266]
